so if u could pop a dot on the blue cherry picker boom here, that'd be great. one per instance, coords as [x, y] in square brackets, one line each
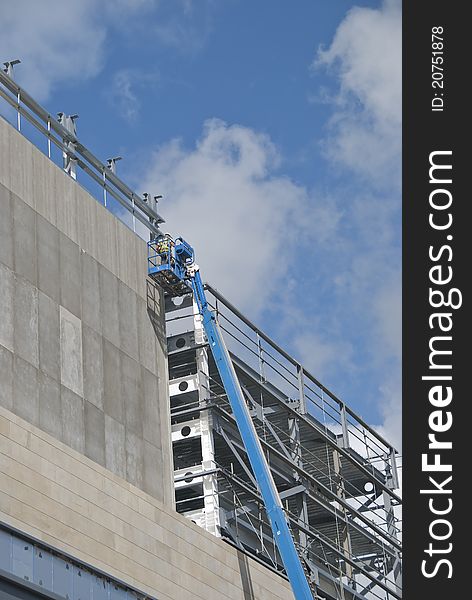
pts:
[171, 263]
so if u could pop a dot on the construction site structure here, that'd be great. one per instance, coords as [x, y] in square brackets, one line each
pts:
[334, 477]
[171, 264]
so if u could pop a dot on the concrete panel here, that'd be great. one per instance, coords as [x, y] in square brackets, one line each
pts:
[93, 366]
[141, 266]
[146, 335]
[109, 306]
[5, 173]
[43, 193]
[167, 459]
[72, 417]
[24, 241]
[7, 291]
[162, 372]
[134, 458]
[70, 275]
[155, 303]
[126, 255]
[26, 342]
[128, 322]
[47, 239]
[115, 455]
[112, 378]
[6, 378]
[94, 433]
[150, 406]
[87, 225]
[50, 416]
[66, 204]
[90, 292]
[49, 336]
[154, 475]
[71, 351]
[25, 391]
[107, 244]
[21, 167]
[6, 228]
[132, 394]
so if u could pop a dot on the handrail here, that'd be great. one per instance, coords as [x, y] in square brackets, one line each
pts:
[296, 364]
[69, 144]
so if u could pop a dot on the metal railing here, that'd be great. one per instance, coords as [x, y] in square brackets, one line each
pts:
[74, 154]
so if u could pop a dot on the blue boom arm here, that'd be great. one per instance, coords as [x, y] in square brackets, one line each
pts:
[270, 496]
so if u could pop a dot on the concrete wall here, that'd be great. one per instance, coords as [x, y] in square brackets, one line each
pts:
[59, 496]
[82, 343]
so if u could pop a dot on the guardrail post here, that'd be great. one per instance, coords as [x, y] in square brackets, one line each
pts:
[301, 390]
[69, 160]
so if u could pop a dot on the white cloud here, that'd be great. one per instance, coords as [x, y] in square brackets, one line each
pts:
[322, 355]
[61, 42]
[366, 50]
[390, 397]
[124, 7]
[56, 41]
[188, 27]
[365, 55]
[387, 305]
[225, 197]
[123, 97]
[126, 88]
[387, 328]
[364, 139]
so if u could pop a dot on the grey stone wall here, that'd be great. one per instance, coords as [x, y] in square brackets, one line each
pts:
[57, 495]
[82, 344]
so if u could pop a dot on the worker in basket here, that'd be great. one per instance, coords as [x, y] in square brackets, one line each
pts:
[162, 244]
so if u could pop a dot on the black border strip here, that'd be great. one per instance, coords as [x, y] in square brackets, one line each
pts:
[426, 131]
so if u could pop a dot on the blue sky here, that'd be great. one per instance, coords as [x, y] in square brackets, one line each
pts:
[273, 131]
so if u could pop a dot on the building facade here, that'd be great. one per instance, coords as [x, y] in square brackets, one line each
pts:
[122, 474]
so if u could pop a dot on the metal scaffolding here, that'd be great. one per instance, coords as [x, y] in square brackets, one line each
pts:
[335, 474]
